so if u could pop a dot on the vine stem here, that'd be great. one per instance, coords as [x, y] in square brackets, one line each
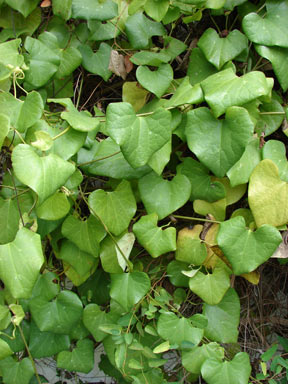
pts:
[101, 158]
[129, 264]
[272, 113]
[29, 354]
[61, 133]
[196, 219]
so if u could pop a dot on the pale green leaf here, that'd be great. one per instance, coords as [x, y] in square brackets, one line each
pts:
[81, 359]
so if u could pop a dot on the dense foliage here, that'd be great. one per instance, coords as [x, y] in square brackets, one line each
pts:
[143, 170]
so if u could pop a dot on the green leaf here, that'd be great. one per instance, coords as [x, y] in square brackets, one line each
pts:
[133, 94]
[42, 61]
[193, 360]
[156, 10]
[23, 6]
[78, 265]
[112, 260]
[93, 318]
[237, 370]
[163, 196]
[267, 195]
[16, 372]
[150, 58]
[62, 8]
[174, 272]
[223, 318]
[218, 143]
[178, 330]
[94, 9]
[127, 289]
[5, 317]
[81, 359]
[277, 56]
[202, 187]
[199, 68]
[5, 350]
[116, 209]
[275, 150]
[138, 137]
[271, 29]
[244, 249]
[241, 90]
[43, 141]
[157, 81]
[20, 263]
[186, 94]
[70, 59]
[219, 51]
[10, 216]
[42, 174]
[54, 208]
[160, 158]
[109, 162]
[59, 315]
[5, 125]
[45, 344]
[97, 63]
[85, 234]
[9, 53]
[190, 248]
[47, 286]
[211, 287]
[268, 121]
[140, 29]
[154, 239]
[242, 169]
[101, 31]
[80, 121]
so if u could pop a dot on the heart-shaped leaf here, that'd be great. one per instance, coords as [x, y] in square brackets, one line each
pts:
[20, 263]
[94, 9]
[236, 371]
[97, 63]
[54, 208]
[78, 265]
[59, 315]
[43, 62]
[111, 161]
[218, 143]
[219, 51]
[267, 195]
[202, 187]
[134, 95]
[140, 29]
[155, 240]
[5, 350]
[190, 248]
[16, 372]
[193, 360]
[23, 6]
[138, 137]
[244, 249]
[242, 169]
[164, 196]
[129, 288]
[271, 29]
[116, 209]
[85, 234]
[277, 57]
[270, 116]
[45, 344]
[176, 277]
[157, 81]
[211, 287]
[93, 318]
[223, 318]
[241, 90]
[275, 150]
[42, 174]
[81, 359]
[178, 330]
